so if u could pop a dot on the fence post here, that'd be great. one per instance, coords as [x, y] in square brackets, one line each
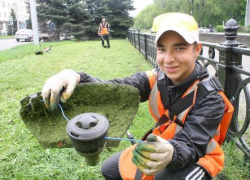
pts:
[134, 39]
[227, 59]
[145, 46]
[139, 40]
[131, 34]
[128, 35]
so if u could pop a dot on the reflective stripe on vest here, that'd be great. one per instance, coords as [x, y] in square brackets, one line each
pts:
[155, 98]
[153, 103]
[152, 76]
[156, 108]
[211, 146]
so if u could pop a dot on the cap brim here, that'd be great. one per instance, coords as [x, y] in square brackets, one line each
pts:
[189, 36]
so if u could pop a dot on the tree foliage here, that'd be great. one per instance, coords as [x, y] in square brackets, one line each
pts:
[118, 16]
[12, 26]
[145, 18]
[52, 10]
[206, 12]
[79, 21]
[81, 18]
[28, 21]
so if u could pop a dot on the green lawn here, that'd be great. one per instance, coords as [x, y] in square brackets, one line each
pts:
[7, 37]
[23, 73]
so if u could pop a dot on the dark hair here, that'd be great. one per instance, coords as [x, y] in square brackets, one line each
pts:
[195, 44]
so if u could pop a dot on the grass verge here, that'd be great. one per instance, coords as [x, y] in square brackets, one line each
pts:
[19, 52]
[7, 37]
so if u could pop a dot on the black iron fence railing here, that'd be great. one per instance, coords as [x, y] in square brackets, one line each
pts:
[228, 61]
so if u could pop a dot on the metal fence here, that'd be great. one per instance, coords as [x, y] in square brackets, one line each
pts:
[230, 62]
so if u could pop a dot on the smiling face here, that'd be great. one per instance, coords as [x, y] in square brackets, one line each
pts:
[176, 57]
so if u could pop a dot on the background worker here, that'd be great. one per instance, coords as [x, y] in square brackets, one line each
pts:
[184, 142]
[104, 32]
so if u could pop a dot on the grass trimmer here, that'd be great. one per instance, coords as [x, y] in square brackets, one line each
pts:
[103, 40]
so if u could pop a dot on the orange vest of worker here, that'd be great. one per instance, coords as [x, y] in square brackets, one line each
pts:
[104, 29]
[212, 162]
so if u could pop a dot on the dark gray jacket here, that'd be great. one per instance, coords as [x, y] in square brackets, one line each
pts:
[191, 142]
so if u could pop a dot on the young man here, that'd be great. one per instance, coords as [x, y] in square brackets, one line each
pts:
[104, 32]
[184, 143]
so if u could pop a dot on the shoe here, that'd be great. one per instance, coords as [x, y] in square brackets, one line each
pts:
[104, 46]
[108, 46]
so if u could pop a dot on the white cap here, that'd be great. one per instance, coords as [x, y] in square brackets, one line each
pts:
[183, 24]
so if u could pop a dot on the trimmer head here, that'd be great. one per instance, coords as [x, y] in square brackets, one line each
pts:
[118, 103]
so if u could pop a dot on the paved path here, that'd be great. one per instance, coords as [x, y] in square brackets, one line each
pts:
[10, 43]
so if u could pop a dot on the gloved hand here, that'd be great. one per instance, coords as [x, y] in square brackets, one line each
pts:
[153, 155]
[59, 87]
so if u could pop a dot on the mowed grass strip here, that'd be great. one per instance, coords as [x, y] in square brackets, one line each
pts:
[26, 49]
[6, 37]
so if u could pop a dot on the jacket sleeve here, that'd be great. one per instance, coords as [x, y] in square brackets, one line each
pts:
[191, 142]
[138, 80]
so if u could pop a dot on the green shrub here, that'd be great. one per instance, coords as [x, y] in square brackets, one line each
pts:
[219, 28]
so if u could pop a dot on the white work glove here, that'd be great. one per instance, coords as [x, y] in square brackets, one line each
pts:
[59, 87]
[152, 156]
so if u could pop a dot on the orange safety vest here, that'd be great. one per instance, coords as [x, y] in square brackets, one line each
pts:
[212, 162]
[104, 29]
